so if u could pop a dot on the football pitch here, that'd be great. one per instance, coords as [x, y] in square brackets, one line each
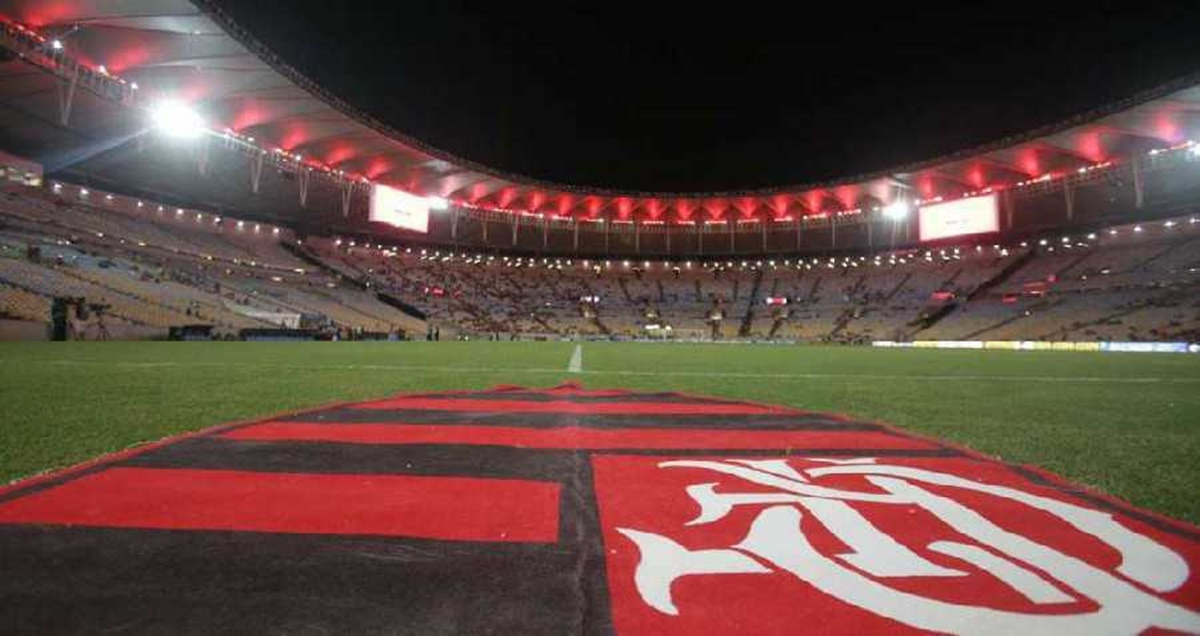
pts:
[1126, 424]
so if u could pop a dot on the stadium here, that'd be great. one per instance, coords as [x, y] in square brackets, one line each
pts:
[271, 364]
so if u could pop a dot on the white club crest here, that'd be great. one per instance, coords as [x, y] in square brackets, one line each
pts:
[1045, 576]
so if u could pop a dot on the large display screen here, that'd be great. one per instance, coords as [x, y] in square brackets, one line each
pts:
[399, 209]
[976, 215]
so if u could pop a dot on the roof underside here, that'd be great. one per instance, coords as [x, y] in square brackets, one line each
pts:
[193, 52]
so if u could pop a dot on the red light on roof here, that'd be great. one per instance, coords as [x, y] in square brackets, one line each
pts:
[975, 177]
[813, 200]
[746, 205]
[292, 139]
[1029, 162]
[1167, 128]
[1091, 146]
[506, 197]
[715, 208]
[847, 195]
[565, 202]
[624, 208]
[927, 187]
[684, 209]
[779, 203]
[654, 208]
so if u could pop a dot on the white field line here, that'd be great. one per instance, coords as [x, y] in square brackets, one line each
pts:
[576, 363]
[631, 373]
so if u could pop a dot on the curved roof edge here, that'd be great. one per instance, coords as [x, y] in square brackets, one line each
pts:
[243, 36]
[194, 51]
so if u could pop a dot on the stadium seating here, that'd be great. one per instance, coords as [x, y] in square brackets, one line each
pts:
[159, 268]
[162, 269]
[1131, 284]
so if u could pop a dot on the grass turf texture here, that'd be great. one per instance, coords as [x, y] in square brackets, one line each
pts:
[1127, 424]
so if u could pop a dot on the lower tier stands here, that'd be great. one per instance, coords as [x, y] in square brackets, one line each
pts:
[149, 272]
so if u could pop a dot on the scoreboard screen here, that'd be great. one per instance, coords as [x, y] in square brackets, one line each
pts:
[399, 209]
[975, 215]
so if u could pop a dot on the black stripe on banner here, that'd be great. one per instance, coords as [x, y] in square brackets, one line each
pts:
[99, 580]
[506, 462]
[530, 396]
[767, 421]
[320, 457]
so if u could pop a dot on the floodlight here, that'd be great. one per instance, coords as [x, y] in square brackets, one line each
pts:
[57, 45]
[177, 120]
[896, 210]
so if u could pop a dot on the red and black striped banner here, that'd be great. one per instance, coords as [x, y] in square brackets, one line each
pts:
[564, 511]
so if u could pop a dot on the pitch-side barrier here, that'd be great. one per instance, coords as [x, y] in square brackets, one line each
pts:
[1037, 345]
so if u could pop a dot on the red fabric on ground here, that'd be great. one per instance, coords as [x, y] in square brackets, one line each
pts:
[454, 508]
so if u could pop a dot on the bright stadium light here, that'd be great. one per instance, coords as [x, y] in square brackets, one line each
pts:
[57, 45]
[177, 120]
[896, 210]
[437, 203]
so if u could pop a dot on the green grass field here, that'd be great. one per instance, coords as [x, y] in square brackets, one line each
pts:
[1128, 424]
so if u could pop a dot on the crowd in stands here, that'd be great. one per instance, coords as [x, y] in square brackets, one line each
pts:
[150, 269]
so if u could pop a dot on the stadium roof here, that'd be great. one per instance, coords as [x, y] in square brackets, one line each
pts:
[194, 52]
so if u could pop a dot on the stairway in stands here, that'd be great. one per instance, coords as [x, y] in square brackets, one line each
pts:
[545, 324]
[1157, 255]
[812, 291]
[1180, 297]
[1075, 262]
[748, 319]
[308, 256]
[928, 319]
[599, 324]
[625, 290]
[776, 325]
[899, 286]
[1037, 307]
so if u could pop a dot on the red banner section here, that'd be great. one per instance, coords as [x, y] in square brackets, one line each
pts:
[451, 508]
[569, 437]
[776, 545]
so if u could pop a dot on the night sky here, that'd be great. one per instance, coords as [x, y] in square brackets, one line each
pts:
[718, 96]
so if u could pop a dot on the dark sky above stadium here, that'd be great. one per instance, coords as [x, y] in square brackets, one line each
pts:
[716, 96]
